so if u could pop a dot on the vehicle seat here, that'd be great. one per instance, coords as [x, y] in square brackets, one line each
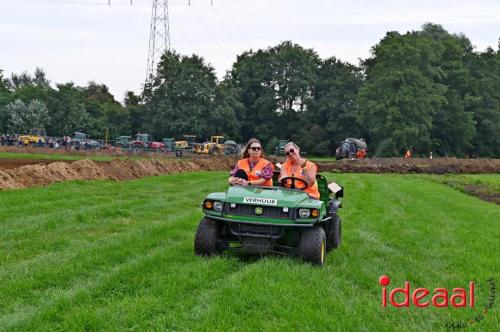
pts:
[324, 191]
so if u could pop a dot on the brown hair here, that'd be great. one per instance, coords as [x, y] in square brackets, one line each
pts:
[247, 147]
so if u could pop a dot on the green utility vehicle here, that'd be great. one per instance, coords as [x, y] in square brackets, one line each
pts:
[272, 220]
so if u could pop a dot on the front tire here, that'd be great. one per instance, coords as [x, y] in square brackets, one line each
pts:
[137, 148]
[75, 145]
[312, 247]
[205, 241]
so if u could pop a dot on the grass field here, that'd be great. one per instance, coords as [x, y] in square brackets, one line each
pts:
[102, 255]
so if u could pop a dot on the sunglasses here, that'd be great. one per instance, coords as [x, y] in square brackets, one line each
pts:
[256, 148]
[289, 152]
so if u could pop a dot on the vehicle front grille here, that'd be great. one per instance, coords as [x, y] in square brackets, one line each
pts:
[264, 231]
[267, 211]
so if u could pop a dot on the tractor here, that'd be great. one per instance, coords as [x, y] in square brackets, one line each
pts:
[232, 148]
[81, 141]
[214, 146]
[186, 144]
[352, 148]
[35, 136]
[281, 219]
[123, 142]
[144, 142]
[169, 143]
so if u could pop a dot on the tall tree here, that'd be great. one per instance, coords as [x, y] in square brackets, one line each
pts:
[68, 114]
[5, 98]
[184, 99]
[453, 124]
[400, 94]
[334, 112]
[485, 103]
[275, 87]
[23, 118]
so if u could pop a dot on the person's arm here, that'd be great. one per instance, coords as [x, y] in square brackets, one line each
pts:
[253, 182]
[232, 180]
[310, 169]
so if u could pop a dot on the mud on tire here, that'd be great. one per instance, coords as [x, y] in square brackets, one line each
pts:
[205, 241]
[312, 247]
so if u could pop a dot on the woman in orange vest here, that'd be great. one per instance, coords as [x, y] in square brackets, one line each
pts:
[297, 167]
[253, 169]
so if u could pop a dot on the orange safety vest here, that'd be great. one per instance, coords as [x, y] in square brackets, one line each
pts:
[312, 190]
[254, 174]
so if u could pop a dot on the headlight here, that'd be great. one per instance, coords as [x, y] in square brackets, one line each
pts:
[208, 204]
[217, 206]
[304, 213]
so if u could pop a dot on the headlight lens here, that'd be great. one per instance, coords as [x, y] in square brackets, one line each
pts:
[209, 205]
[304, 213]
[217, 206]
[314, 213]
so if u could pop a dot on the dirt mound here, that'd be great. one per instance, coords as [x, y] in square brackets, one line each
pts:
[413, 165]
[125, 169]
[117, 169]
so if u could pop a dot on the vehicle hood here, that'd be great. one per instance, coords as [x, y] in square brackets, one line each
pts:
[269, 196]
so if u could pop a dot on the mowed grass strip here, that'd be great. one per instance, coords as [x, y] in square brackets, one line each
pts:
[101, 255]
[484, 186]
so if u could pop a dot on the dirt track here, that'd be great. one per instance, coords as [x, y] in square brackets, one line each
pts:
[21, 173]
[42, 174]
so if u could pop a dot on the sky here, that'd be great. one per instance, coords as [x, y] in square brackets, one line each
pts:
[88, 40]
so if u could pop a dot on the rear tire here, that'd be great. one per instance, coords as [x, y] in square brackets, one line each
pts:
[205, 241]
[312, 247]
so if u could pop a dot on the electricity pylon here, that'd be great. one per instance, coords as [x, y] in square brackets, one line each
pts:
[159, 36]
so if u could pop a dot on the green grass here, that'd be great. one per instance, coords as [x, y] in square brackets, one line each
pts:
[102, 255]
[486, 186]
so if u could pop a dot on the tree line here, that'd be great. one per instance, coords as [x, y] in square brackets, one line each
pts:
[425, 90]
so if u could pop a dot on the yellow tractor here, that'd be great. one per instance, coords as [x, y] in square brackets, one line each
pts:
[214, 146]
[36, 136]
[186, 144]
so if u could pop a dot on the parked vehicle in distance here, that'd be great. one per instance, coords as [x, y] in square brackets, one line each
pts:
[169, 143]
[81, 141]
[35, 136]
[123, 142]
[279, 150]
[352, 148]
[232, 148]
[186, 144]
[144, 142]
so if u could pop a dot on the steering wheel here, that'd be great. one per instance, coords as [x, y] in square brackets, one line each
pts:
[292, 182]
